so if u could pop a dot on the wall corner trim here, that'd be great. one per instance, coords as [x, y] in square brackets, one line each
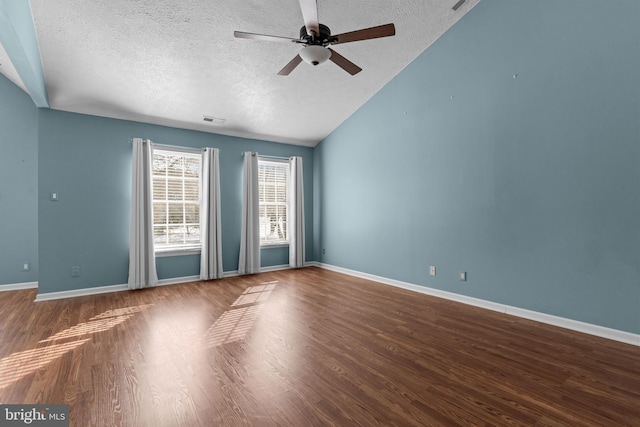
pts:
[18, 286]
[575, 325]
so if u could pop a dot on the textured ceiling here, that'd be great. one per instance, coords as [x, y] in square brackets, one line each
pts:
[172, 62]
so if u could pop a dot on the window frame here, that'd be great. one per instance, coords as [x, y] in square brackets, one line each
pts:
[184, 248]
[285, 163]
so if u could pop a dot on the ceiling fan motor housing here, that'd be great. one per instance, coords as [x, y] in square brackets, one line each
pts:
[323, 39]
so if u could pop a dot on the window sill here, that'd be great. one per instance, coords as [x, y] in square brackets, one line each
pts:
[274, 245]
[177, 252]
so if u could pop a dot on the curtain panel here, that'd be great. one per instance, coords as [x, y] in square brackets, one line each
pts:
[142, 260]
[249, 260]
[210, 225]
[296, 214]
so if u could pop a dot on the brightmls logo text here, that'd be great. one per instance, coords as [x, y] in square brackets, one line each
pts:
[28, 416]
[34, 415]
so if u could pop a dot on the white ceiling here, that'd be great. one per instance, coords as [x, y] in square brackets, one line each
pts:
[172, 62]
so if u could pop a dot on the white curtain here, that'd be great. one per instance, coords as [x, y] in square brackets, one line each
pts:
[142, 260]
[210, 227]
[296, 213]
[249, 261]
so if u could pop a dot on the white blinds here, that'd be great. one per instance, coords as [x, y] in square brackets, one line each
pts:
[176, 198]
[273, 184]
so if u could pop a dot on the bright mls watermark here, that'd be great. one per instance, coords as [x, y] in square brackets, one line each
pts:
[34, 415]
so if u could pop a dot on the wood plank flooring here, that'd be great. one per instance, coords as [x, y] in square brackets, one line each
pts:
[306, 347]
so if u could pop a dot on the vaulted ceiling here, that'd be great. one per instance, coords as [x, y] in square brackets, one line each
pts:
[173, 62]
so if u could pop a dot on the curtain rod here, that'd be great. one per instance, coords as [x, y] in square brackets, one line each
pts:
[176, 147]
[267, 156]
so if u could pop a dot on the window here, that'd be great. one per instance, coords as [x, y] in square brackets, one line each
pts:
[273, 186]
[176, 200]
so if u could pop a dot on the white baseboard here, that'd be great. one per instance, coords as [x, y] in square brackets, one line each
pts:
[588, 328]
[18, 286]
[234, 273]
[177, 280]
[274, 268]
[118, 288]
[231, 273]
[48, 296]
[107, 289]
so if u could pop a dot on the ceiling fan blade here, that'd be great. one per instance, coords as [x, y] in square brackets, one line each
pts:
[309, 10]
[290, 66]
[344, 63]
[365, 34]
[252, 36]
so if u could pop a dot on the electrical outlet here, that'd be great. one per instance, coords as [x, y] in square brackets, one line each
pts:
[324, 251]
[432, 270]
[26, 266]
[75, 271]
[463, 276]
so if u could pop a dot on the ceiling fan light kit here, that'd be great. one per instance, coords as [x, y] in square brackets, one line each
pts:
[317, 38]
[315, 54]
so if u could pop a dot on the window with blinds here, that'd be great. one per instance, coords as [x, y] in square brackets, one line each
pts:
[273, 185]
[176, 200]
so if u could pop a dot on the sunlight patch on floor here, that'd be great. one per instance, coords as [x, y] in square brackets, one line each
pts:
[255, 294]
[234, 324]
[102, 322]
[23, 363]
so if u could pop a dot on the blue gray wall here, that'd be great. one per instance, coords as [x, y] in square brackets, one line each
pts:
[87, 161]
[18, 185]
[530, 184]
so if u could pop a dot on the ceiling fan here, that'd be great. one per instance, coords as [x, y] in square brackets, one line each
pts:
[317, 38]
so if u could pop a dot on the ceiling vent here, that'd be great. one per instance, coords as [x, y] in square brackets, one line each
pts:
[214, 120]
[457, 5]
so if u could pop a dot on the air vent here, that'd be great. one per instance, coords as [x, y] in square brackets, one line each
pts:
[214, 120]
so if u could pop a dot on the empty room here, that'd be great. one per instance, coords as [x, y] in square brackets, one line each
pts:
[301, 213]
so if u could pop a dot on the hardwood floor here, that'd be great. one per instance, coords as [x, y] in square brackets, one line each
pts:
[306, 347]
